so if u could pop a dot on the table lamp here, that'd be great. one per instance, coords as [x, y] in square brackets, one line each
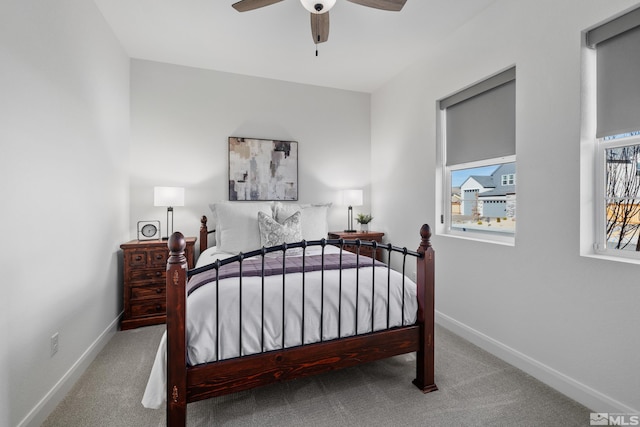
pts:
[169, 197]
[351, 198]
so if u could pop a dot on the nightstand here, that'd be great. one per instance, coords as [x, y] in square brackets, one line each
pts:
[145, 270]
[373, 236]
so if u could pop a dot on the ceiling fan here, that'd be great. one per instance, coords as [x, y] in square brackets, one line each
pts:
[319, 10]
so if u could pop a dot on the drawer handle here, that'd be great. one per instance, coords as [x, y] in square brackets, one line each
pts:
[158, 307]
[138, 257]
[158, 256]
[159, 291]
[158, 273]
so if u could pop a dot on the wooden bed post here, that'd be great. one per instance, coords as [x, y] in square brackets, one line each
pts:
[176, 333]
[425, 279]
[204, 234]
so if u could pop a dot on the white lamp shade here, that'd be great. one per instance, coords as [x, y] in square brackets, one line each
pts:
[168, 196]
[352, 197]
[310, 5]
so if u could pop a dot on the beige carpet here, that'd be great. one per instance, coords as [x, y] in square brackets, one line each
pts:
[475, 389]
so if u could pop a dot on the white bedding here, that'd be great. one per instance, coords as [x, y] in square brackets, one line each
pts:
[211, 255]
[201, 316]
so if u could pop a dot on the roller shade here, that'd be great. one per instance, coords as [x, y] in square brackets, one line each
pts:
[480, 121]
[618, 74]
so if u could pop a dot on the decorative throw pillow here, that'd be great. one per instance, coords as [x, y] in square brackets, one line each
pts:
[314, 218]
[272, 233]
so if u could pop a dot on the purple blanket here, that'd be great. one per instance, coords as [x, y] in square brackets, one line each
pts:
[273, 266]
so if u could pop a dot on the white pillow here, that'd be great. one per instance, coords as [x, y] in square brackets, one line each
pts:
[273, 233]
[314, 218]
[237, 225]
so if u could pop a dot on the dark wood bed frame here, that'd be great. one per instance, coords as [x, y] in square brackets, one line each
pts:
[187, 384]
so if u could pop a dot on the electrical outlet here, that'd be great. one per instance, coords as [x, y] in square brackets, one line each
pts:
[54, 344]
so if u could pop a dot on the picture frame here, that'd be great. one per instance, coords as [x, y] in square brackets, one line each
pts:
[263, 169]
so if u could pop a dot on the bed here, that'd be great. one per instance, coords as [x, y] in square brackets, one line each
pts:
[287, 310]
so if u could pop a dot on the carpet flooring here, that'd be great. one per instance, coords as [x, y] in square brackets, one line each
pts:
[475, 389]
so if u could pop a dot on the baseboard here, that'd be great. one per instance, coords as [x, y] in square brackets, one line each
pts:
[566, 385]
[48, 403]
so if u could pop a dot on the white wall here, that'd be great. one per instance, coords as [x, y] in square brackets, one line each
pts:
[571, 321]
[64, 123]
[181, 119]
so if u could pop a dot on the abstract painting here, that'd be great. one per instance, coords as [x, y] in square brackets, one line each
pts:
[263, 169]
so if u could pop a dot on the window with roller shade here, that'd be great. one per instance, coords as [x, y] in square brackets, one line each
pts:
[479, 159]
[617, 140]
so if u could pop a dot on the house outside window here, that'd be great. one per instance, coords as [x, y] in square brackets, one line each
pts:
[616, 78]
[477, 159]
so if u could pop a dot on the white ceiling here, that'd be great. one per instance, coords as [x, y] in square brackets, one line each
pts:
[366, 46]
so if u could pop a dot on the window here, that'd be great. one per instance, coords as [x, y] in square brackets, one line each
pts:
[481, 199]
[509, 179]
[620, 200]
[616, 76]
[477, 157]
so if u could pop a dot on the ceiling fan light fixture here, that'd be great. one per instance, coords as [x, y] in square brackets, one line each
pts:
[318, 6]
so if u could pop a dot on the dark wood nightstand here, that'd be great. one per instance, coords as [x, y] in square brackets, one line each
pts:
[145, 270]
[373, 236]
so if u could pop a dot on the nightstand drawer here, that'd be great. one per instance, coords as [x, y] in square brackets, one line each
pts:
[158, 258]
[136, 258]
[149, 258]
[148, 308]
[147, 274]
[364, 250]
[148, 291]
[371, 236]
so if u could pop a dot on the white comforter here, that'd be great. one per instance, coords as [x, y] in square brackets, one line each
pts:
[201, 316]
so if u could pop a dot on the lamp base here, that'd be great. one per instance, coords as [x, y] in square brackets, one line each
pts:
[350, 221]
[169, 231]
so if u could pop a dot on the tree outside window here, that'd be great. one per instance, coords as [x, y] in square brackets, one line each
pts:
[622, 190]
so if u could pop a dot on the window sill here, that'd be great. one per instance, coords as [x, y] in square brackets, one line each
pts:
[480, 237]
[615, 258]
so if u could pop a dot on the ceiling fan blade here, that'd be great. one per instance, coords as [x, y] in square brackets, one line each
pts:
[320, 27]
[246, 5]
[392, 5]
